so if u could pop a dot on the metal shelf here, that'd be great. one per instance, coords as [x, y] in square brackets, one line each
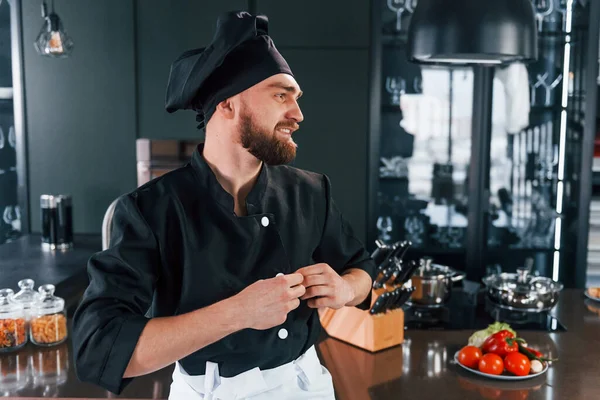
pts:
[551, 45]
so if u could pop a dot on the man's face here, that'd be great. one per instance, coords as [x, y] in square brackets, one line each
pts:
[268, 117]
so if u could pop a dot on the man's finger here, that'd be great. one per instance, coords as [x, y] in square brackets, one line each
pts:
[293, 279]
[314, 269]
[316, 291]
[314, 280]
[319, 302]
[297, 291]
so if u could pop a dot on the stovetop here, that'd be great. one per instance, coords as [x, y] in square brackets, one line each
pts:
[474, 311]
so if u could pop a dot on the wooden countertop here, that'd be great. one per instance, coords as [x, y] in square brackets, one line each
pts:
[421, 368]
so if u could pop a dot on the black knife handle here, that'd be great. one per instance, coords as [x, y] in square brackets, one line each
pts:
[405, 246]
[378, 304]
[406, 293]
[394, 295]
[382, 277]
[410, 271]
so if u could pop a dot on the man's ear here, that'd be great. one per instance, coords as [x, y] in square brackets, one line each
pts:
[226, 108]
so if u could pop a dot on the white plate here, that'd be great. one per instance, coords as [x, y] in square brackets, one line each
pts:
[585, 292]
[502, 377]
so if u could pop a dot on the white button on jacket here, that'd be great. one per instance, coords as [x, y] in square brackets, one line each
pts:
[264, 221]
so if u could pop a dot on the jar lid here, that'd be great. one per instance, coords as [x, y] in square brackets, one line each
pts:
[8, 308]
[48, 303]
[27, 295]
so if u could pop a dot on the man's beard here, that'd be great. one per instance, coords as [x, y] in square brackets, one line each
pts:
[266, 146]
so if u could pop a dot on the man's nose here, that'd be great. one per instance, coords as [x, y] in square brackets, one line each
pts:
[295, 113]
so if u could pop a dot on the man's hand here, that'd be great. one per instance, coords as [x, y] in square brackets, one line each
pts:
[266, 303]
[325, 288]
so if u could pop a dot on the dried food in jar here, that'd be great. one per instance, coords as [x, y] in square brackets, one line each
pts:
[12, 332]
[49, 329]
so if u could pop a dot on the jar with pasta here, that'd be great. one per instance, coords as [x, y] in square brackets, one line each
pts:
[48, 324]
[12, 322]
[27, 296]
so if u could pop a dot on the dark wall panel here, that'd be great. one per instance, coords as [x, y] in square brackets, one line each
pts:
[318, 23]
[333, 136]
[165, 29]
[81, 110]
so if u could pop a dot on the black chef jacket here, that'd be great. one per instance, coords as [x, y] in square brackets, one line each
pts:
[177, 246]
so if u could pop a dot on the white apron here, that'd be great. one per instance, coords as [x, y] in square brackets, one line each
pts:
[303, 378]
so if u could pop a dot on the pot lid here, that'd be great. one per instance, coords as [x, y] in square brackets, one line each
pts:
[433, 271]
[522, 282]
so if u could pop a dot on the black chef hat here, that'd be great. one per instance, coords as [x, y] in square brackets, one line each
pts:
[240, 55]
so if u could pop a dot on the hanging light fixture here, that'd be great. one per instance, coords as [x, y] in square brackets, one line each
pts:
[53, 41]
[472, 32]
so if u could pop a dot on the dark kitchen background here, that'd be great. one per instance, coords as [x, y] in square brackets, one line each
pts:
[393, 137]
[398, 140]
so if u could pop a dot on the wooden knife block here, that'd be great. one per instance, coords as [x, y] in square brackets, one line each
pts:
[361, 329]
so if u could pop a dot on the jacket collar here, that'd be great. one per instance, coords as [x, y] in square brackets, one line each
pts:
[208, 180]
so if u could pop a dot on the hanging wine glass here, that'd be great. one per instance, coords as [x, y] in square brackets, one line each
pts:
[543, 8]
[12, 138]
[562, 8]
[542, 81]
[396, 86]
[398, 6]
[418, 84]
[415, 229]
[384, 225]
[411, 5]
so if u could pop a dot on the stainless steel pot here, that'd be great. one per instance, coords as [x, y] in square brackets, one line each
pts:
[523, 292]
[433, 283]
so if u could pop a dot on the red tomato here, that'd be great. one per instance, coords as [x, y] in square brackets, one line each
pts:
[491, 363]
[469, 356]
[517, 363]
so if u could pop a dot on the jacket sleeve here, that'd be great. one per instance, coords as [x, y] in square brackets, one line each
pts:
[339, 247]
[111, 315]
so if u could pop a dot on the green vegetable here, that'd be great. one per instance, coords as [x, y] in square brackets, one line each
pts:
[479, 337]
[532, 354]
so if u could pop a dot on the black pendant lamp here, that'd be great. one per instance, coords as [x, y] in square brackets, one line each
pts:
[484, 32]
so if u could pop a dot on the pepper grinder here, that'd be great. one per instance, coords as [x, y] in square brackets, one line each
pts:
[57, 222]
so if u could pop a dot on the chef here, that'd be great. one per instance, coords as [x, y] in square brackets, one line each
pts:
[220, 266]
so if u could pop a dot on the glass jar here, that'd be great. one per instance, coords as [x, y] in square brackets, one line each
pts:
[48, 324]
[12, 322]
[27, 296]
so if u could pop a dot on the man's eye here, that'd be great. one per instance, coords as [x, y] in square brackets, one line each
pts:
[280, 95]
